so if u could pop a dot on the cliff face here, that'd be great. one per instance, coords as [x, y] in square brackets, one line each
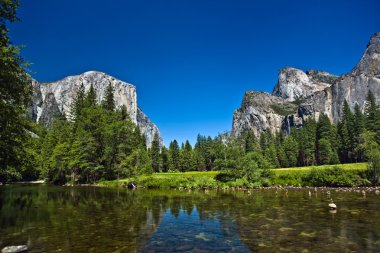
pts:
[53, 99]
[299, 95]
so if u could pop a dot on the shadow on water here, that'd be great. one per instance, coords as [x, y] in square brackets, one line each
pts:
[90, 219]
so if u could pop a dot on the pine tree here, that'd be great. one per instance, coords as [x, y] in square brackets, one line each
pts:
[108, 102]
[371, 113]
[78, 103]
[345, 131]
[309, 142]
[15, 94]
[90, 98]
[359, 122]
[323, 139]
[250, 141]
[325, 152]
[123, 112]
[187, 157]
[291, 150]
[155, 153]
[271, 155]
[174, 163]
[164, 159]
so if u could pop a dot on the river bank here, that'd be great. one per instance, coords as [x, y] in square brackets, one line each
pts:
[342, 175]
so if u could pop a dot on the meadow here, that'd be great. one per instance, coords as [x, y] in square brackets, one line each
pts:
[341, 175]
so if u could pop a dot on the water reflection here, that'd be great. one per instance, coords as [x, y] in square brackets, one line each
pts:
[89, 219]
[186, 232]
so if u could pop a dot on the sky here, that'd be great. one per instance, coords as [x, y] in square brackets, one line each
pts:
[192, 61]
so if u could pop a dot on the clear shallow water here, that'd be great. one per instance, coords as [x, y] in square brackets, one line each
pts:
[89, 219]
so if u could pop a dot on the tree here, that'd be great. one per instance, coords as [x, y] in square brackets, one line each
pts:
[345, 131]
[250, 142]
[155, 153]
[108, 102]
[15, 94]
[325, 152]
[271, 155]
[291, 150]
[174, 163]
[78, 103]
[164, 159]
[372, 115]
[187, 157]
[372, 152]
[90, 99]
[308, 142]
[359, 123]
[324, 136]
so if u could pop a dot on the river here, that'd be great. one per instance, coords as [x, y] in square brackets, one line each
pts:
[93, 219]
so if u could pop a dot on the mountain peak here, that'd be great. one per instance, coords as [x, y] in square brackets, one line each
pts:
[369, 64]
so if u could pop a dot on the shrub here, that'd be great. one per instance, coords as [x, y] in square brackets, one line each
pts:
[332, 177]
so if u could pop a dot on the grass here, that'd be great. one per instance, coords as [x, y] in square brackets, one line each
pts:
[348, 174]
[326, 175]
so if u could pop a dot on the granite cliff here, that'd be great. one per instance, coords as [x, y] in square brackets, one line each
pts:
[54, 98]
[299, 95]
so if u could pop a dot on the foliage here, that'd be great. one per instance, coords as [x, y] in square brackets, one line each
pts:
[284, 109]
[372, 152]
[325, 175]
[98, 143]
[15, 94]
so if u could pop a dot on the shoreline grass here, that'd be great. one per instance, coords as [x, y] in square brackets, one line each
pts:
[340, 175]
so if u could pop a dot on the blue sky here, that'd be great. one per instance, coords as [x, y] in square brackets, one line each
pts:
[192, 61]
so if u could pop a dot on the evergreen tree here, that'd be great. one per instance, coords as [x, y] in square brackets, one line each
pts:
[372, 152]
[325, 152]
[271, 155]
[359, 123]
[324, 136]
[164, 159]
[250, 142]
[174, 162]
[90, 98]
[15, 94]
[123, 112]
[291, 151]
[108, 102]
[187, 157]
[308, 142]
[372, 115]
[155, 153]
[78, 103]
[346, 134]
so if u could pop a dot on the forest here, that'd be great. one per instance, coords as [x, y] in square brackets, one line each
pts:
[99, 141]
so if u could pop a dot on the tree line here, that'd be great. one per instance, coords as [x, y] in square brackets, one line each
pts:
[99, 142]
[315, 143]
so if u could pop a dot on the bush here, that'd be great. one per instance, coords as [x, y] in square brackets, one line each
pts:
[225, 177]
[333, 177]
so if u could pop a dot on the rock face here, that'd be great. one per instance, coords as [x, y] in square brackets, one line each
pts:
[299, 95]
[53, 99]
[294, 84]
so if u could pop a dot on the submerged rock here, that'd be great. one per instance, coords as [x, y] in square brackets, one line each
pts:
[15, 249]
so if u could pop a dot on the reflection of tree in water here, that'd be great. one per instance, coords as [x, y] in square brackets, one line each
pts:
[77, 219]
[103, 220]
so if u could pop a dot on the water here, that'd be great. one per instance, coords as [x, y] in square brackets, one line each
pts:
[89, 219]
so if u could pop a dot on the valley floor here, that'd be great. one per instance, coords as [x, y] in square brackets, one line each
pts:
[341, 175]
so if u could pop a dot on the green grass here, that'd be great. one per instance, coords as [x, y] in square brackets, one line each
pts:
[326, 175]
[348, 174]
[194, 180]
